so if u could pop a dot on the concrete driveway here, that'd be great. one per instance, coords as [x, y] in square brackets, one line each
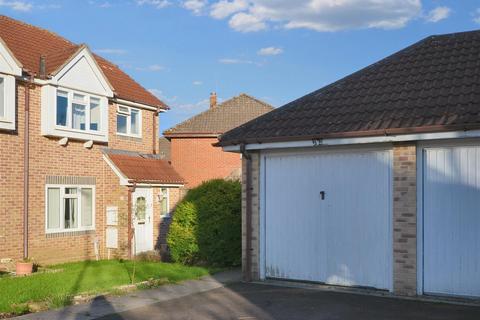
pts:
[242, 301]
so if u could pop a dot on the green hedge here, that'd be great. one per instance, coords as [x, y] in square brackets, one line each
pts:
[206, 226]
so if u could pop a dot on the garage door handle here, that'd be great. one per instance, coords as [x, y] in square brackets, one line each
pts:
[322, 195]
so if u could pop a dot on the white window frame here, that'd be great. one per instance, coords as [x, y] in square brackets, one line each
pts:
[87, 103]
[7, 121]
[167, 215]
[62, 188]
[129, 121]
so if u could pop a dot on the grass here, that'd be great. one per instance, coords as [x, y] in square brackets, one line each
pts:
[57, 289]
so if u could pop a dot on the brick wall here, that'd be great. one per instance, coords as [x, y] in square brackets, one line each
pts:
[47, 158]
[404, 219]
[255, 210]
[196, 160]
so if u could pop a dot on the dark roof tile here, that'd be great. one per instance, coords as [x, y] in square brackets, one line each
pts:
[433, 85]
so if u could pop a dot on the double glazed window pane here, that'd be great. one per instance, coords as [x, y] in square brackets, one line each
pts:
[53, 205]
[94, 114]
[62, 108]
[71, 212]
[78, 116]
[87, 207]
[2, 98]
[164, 203]
[134, 122]
[121, 123]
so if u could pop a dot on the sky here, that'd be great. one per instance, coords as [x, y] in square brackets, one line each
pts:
[274, 50]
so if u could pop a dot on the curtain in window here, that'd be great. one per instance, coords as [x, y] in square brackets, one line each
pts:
[78, 116]
[2, 98]
[53, 205]
[87, 207]
[134, 122]
[94, 114]
[71, 208]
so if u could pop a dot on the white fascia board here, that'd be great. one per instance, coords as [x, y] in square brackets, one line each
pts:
[83, 53]
[160, 185]
[135, 104]
[8, 63]
[315, 143]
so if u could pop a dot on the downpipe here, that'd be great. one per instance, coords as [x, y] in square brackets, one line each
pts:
[26, 163]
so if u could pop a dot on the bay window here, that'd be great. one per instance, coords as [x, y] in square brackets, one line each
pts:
[129, 121]
[78, 111]
[2, 97]
[70, 208]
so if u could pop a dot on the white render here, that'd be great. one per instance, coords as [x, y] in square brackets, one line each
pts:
[346, 238]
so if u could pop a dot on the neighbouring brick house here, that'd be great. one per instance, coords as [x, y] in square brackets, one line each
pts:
[192, 152]
[80, 174]
[373, 180]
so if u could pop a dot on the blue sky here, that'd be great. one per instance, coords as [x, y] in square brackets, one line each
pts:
[275, 50]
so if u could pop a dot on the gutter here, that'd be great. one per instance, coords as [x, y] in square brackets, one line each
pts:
[26, 163]
[248, 214]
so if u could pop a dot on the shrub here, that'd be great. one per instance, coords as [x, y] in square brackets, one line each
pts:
[206, 226]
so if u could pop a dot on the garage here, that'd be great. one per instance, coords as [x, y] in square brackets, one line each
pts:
[328, 217]
[451, 220]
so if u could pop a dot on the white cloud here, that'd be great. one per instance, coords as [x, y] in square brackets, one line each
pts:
[196, 6]
[246, 22]
[225, 8]
[152, 67]
[197, 83]
[437, 14]
[319, 15]
[16, 5]
[234, 61]
[476, 16]
[111, 51]
[159, 4]
[270, 51]
[160, 95]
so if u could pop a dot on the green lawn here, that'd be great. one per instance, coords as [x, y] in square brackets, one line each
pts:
[58, 289]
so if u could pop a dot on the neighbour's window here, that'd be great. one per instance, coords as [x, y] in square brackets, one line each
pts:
[70, 208]
[2, 98]
[78, 111]
[164, 202]
[128, 121]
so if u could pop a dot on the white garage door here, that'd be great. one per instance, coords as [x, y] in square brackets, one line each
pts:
[451, 221]
[327, 218]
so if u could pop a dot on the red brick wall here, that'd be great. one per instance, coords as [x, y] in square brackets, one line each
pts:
[47, 158]
[196, 160]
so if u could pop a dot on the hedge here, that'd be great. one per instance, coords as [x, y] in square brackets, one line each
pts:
[206, 225]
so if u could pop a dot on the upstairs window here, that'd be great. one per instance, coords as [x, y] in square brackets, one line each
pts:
[129, 121]
[78, 111]
[2, 98]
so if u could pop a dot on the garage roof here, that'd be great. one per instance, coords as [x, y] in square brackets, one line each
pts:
[431, 86]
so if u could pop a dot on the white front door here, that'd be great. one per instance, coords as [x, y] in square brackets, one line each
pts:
[142, 211]
[451, 220]
[328, 217]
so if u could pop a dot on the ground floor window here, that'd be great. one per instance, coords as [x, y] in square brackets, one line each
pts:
[164, 208]
[70, 208]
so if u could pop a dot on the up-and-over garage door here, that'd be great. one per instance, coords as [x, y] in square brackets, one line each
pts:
[328, 217]
[451, 220]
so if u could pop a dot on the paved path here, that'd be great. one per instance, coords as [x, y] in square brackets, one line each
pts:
[102, 306]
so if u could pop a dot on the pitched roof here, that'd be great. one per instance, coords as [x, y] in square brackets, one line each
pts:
[431, 86]
[144, 168]
[28, 43]
[164, 148]
[221, 118]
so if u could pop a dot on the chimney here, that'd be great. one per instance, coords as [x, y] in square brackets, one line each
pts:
[42, 71]
[213, 100]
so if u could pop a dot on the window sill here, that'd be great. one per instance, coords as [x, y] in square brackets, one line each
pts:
[129, 135]
[62, 132]
[73, 233]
